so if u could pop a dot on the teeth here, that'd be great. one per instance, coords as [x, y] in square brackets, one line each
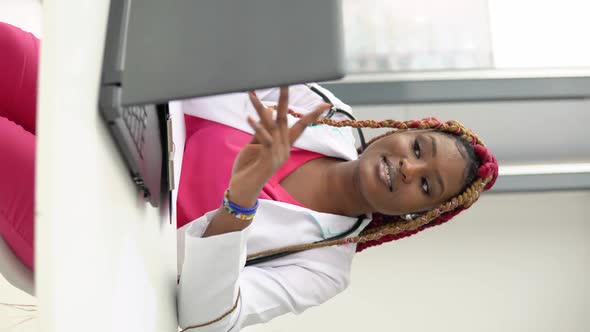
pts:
[387, 170]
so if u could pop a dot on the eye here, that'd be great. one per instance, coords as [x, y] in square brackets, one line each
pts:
[425, 186]
[417, 150]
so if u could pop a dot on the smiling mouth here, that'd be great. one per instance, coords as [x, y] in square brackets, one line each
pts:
[386, 173]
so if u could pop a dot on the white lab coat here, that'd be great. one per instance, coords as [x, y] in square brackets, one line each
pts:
[212, 271]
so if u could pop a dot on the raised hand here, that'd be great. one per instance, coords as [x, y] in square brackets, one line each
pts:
[269, 149]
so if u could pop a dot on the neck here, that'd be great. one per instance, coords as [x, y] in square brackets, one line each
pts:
[340, 192]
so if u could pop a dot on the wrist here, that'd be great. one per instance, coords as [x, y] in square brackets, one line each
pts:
[238, 211]
[242, 195]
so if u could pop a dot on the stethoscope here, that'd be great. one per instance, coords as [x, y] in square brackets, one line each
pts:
[333, 110]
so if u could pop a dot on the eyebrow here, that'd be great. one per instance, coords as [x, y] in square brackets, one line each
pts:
[436, 172]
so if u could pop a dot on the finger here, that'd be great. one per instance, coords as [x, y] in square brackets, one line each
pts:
[254, 125]
[261, 135]
[282, 110]
[283, 106]
[265, 116]
[305, 121]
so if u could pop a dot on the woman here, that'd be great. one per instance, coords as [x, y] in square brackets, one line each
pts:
[285, 188]
[408, 180]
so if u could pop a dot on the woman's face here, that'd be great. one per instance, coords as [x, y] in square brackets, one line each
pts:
[411, 171]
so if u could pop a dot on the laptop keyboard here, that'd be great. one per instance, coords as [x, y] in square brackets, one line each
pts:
[135, 118]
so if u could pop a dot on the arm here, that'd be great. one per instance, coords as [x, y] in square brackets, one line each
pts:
[218, 244]
[260, 159]
[296, 283]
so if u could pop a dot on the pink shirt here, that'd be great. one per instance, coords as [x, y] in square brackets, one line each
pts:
[209, 154]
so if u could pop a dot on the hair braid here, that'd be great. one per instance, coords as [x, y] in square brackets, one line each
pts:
[385, 228]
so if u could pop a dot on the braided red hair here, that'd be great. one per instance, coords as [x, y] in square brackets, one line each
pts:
[384, 228]
[488, 169]
[486, 177]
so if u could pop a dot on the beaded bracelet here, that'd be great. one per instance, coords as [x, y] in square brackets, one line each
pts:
[237, 211]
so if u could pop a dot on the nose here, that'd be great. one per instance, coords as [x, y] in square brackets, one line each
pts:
[410, 170]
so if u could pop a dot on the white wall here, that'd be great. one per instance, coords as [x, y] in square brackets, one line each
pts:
[25, 14]
[512, 263]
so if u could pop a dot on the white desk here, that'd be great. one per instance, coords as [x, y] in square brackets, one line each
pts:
[106, 260]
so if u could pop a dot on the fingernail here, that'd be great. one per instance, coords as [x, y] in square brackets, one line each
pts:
[253, 93]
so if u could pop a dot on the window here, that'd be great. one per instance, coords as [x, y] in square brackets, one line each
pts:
[431, 35]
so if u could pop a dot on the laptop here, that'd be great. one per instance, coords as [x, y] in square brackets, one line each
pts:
[157, 51]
